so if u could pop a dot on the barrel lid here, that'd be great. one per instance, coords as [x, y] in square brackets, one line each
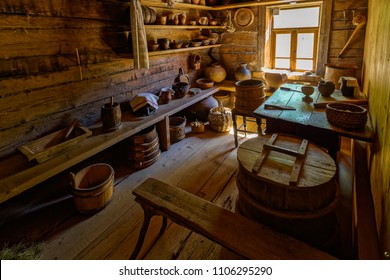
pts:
[277, 167]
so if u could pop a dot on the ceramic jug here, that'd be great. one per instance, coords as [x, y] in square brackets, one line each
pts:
[242, 72]
[275, 80]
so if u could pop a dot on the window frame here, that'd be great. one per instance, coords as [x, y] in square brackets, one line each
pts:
[264, 38]
[293, 47]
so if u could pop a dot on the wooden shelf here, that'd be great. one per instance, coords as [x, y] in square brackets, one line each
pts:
[171, 51]
[175, 6]
[18, 175]
[216, 8]
[155, 53]
[151, 26]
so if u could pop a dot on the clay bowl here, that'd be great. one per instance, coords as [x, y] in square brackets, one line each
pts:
[213, 41]
[205, 83]
[205, 42]
[175, 45]
[185, 44]
[153, 47]
[213, 22]
[196, 43]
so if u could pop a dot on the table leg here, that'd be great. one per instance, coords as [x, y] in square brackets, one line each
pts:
[235, 128]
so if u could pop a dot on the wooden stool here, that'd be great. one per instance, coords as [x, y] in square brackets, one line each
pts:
[243, 127]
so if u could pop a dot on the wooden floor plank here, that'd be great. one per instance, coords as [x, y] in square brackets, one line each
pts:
[203, 164]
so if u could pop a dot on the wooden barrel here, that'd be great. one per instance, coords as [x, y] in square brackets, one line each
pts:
[92, 187]
[143, 148]
[249, 95]
[303, 207]
[177, 128]
[333, 72]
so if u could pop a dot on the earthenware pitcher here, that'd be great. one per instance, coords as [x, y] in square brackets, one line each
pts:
[242, 72]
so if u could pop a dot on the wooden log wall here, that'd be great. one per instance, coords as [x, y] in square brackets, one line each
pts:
[342, 29]
[42, 85]
[376, 85]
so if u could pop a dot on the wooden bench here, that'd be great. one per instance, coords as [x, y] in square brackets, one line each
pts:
[244, 237]
[365, 232]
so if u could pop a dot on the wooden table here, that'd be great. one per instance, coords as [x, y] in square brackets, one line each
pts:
[309, 119]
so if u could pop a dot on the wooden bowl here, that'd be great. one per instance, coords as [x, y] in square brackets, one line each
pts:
[205, 83]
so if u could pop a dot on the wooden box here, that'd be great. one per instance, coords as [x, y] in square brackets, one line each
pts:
[51, 145]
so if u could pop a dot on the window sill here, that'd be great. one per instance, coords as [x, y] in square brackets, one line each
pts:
[313, 79]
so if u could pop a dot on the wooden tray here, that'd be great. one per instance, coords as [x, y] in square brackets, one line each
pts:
[51, 145]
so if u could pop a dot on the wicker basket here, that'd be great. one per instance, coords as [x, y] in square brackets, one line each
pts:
[220, 118]
[346, 115]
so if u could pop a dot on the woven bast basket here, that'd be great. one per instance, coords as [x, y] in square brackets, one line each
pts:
[220, 118]
[346, 115]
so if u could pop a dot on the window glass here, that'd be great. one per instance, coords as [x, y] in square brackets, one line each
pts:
[282, 63]
[295, 18]
[283, 42]
[304, 64]
[305, 45]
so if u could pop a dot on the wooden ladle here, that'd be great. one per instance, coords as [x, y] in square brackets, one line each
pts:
[359, 21]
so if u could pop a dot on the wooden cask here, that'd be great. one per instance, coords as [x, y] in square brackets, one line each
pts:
[303, 207]
[143, 148]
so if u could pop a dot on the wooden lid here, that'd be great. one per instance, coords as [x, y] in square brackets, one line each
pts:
[317, 167]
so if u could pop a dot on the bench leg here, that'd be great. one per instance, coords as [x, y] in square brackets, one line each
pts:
[148, 214]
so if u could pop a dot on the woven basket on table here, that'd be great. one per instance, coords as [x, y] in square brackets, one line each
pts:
[346, 115]
[220, 118]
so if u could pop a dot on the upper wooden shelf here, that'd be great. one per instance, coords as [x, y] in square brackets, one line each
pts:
[160, 4]
[169, 26]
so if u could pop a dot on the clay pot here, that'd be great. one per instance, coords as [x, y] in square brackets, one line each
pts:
[275, 80]
[181, 89]
[326, 88]
[163, 43]
[242, 72]
[202, 108]
[182, 19]
[215, 72]
[161, 19]
[165, 95]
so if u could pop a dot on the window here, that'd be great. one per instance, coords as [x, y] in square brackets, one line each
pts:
[295, 38]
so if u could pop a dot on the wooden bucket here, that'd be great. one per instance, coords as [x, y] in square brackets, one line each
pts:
[249, 95]
[177, 128]
[303, 207]
[333, 72]
[143, 148]
[92, 187]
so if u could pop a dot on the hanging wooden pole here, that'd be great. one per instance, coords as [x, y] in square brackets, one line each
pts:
[78, 63]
